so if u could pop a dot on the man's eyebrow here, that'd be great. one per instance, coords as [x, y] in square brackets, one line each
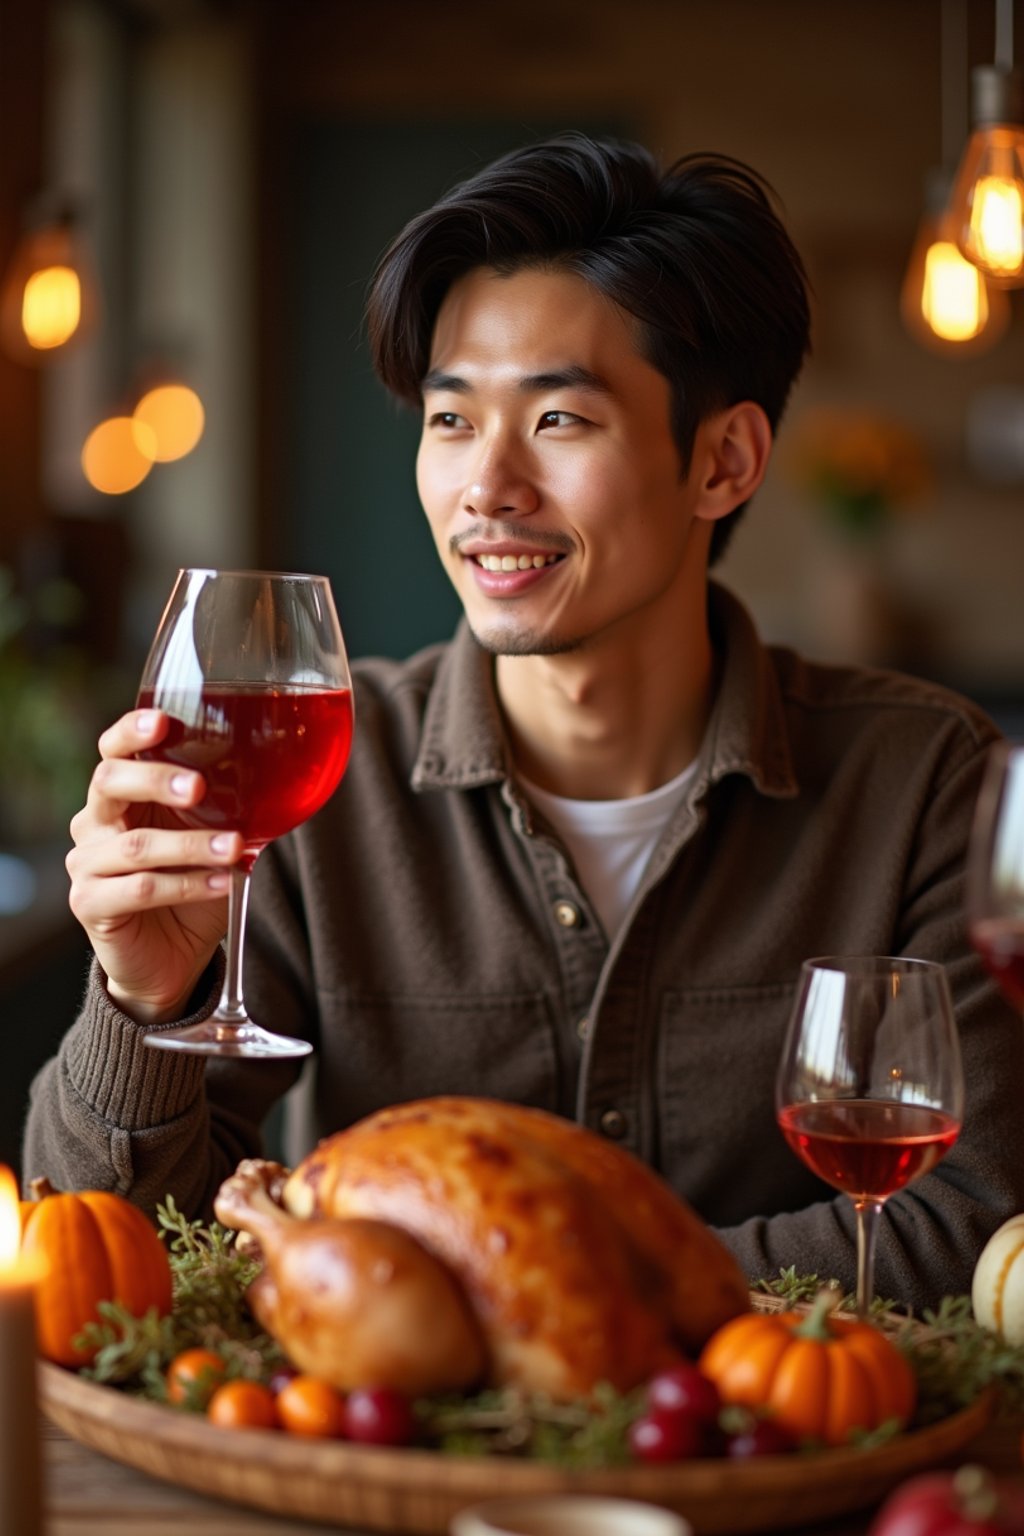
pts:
[449, 382]
[574, 376]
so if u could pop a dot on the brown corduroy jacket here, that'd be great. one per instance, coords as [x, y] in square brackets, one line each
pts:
[428, 933]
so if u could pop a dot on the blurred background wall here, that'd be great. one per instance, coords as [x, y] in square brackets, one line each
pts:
[235, 167]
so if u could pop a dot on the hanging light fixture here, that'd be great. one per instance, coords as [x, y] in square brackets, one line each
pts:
[987, 205]
[945, 301]
[48, 297]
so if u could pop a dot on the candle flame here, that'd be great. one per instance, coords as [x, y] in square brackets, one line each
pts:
[10, 1219]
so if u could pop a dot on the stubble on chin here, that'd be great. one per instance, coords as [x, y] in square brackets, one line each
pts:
[522, 642]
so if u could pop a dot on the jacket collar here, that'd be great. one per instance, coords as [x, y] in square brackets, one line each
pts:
[463, 745]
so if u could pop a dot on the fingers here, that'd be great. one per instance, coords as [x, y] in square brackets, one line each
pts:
[148, 867]
[101, 905]
[121, 779]
[134, 732]
[153, 848]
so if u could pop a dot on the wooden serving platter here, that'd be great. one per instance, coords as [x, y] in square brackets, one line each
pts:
[419, 1492]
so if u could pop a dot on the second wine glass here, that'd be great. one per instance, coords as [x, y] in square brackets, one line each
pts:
[869, 1092]
[995, 871]
[251, 668]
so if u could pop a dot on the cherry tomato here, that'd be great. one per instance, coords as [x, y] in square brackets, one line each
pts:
[307, 1406]
[379, 1416]
[762, 1437]
[242, 1405]
[658, 1436]
[193, 1377]
[684, 1389]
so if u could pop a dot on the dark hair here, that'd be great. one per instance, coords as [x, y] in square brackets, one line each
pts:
[697, 254]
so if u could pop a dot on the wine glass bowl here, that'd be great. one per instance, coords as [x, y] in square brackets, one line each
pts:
[250, 667]
[995, 871]
[869, 1093]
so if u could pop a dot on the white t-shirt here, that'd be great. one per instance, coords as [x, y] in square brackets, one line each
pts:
[611, 840]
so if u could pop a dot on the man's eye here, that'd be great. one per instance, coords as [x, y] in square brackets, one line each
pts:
[557, 419]
[448, 420]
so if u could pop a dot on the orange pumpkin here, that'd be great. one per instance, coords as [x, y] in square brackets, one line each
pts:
[95, 1247]
[818, 1375]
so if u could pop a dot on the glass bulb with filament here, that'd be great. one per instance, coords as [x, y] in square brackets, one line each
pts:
[946, 302]
[987, 205]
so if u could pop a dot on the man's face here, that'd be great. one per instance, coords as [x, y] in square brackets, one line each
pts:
[547, 466]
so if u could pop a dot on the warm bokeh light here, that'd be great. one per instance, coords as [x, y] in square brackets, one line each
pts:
[987, 206]
[953, 297]
[997, 225]
[51, 307]
[174, 414]
[10, 1219]
[118, 455]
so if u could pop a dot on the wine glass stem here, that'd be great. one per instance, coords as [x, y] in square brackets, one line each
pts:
[231, 1008]
[868, 1212]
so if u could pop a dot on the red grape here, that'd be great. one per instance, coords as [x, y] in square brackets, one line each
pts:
[763, 1437]
[379, 1416]
[657, 1436]
[683, 1389]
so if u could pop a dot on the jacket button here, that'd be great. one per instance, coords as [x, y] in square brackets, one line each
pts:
[583, 1028]
[567, 913]
[613, 1124]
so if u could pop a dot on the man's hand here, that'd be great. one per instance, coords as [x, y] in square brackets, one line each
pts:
[149, 892]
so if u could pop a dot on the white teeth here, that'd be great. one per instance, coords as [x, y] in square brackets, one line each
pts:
[515, 562]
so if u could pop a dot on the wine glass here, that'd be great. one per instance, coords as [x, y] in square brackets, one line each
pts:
[251, 668]
[995, 871]
[869, 1092]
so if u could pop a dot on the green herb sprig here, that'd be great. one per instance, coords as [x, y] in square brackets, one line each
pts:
[209, 1278]
[588, 1433]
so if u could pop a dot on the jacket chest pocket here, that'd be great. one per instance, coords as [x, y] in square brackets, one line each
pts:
[719, 1143]
[378, 1050]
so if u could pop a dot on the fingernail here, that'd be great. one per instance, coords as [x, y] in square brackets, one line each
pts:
[221, 843]
[146, 724]
[181, 785]
[217, 882]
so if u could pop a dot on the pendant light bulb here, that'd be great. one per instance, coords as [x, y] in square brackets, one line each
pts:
[988, 197]
[946, 302]
[48, 299]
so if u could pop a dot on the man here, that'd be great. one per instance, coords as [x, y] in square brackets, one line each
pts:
[581, 851]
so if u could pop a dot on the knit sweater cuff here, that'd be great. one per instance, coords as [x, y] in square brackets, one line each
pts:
[124, 1081]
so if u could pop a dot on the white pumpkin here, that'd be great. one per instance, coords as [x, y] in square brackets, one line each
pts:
[997, 1289]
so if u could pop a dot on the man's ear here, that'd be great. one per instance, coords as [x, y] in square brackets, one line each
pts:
[731, 456]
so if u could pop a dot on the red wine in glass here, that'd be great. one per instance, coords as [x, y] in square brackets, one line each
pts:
[868, 1148]
[250, 667]
[995, 871]
[869, 1092]
[271, 757]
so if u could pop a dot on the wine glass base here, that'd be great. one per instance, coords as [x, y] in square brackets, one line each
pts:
[215, 1038]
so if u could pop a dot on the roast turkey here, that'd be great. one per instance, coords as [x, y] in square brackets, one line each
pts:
[456, 1241]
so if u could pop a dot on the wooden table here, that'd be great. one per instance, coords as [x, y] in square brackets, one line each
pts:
[88, 1495]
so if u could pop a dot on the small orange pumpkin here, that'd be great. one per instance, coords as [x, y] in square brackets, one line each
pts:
[95, 1247]
[819, 1376]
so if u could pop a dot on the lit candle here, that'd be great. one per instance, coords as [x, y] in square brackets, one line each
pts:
[21, 1511]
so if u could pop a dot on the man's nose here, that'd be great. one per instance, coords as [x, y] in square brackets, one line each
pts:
[500, 485]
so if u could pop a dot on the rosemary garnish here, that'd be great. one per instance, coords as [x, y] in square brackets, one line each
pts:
[209, 1310]
[588, 1433]
[793, 1289]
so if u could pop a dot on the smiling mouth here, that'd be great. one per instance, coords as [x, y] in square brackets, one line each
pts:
[515, 562]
